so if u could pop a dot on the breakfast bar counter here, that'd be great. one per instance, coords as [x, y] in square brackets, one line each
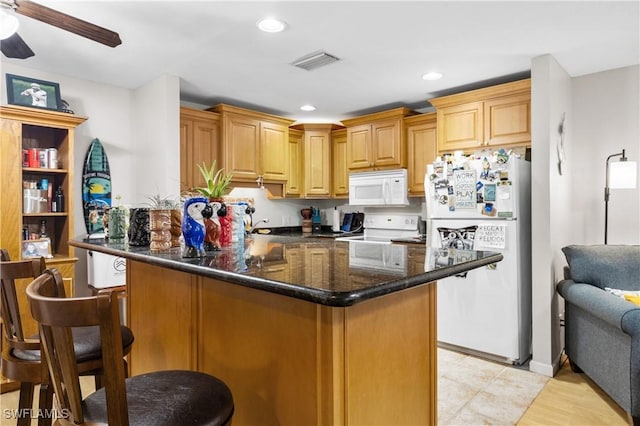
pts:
[304, 331]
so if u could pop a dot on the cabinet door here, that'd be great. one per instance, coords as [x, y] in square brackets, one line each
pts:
[386, 143]
[460, 127]
[507, 120]
[317, 170]
[295, 182]
[359, 147]
[241, 146]
[340, 169]
[421, 147]
[274, 151]
[198, 144]
[11, 187]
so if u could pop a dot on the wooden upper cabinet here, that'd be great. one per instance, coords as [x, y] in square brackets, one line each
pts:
[460, 127]
[199, 142]
[421, 149]
[241, 146]
[507, 120]
[340, 169]
[493, 116]
[274, 150]
[359, 147]
[386, 143]
[317, 151]
[317, 163]
[296, 178]
[377, 141]
[254, 144]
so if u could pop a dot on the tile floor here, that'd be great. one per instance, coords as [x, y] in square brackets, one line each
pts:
[473, 391]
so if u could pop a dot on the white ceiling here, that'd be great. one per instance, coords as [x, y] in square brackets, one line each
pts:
[384, 47]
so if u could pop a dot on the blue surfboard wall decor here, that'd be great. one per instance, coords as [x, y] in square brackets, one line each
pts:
[96, 188]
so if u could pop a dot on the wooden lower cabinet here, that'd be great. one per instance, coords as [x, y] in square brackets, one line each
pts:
[288, 361]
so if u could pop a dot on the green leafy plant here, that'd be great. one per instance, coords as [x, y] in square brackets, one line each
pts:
[217, 183]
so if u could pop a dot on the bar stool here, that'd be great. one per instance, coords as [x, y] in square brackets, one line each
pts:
[21, 354]
[158, 398]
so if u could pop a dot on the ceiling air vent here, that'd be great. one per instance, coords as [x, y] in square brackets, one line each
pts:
[314, 60]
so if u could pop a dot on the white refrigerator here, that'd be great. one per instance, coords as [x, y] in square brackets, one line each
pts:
[484, 203]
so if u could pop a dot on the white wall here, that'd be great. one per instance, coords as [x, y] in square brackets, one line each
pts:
[602, 117]
[130, 125]
[550, 99]
[607, 106]
[156, 133]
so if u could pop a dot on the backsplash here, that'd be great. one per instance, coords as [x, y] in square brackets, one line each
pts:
[286, 212]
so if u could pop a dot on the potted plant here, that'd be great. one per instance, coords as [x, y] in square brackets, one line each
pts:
[217, 222]
[217, 183]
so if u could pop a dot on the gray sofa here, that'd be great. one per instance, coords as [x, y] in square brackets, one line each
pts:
[602, 331]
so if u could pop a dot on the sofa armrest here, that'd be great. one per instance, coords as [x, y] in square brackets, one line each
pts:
[631, 322]
[609, 308]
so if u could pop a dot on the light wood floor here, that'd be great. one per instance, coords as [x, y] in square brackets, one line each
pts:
[568, 399]
[573, 399]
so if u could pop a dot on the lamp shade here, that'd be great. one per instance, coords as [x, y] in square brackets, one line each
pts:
[623, 174]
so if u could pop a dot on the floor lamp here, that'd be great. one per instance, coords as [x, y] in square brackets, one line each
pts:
[620, 175]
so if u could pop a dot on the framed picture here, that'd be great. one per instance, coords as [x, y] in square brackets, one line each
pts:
[34, 93]
[36, 248]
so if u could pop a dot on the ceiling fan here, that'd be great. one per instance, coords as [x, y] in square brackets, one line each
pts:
[15, 47]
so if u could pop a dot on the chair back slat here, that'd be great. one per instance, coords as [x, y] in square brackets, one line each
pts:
[9, 272]
[56, 315]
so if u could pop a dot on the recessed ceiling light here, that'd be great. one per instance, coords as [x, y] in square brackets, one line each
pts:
[308, 108]
[433, 75]
[271, 25]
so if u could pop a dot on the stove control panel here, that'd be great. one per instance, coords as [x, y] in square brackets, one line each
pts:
[391, 221]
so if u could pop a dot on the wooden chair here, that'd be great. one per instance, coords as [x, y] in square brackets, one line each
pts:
[21, 354]
[159, 398]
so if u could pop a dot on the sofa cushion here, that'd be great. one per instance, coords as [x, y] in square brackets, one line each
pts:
[614, 266]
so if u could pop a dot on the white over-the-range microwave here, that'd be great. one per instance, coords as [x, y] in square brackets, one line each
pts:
[378, 188]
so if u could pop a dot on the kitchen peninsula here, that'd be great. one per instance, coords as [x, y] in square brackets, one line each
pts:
[299, 335]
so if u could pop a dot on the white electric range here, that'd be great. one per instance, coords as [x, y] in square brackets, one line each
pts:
[373, 249]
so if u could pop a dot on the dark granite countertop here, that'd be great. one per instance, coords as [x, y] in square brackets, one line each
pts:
[318, 270]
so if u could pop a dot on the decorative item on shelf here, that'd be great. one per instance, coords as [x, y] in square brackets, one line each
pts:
[33, 93]
[216, 186]
[64, 107]
[211, 226]
[117, 224]
[96, 188]
[139, 234]
[176, 226]
[36, 248]
[160, 223]
[193, 227]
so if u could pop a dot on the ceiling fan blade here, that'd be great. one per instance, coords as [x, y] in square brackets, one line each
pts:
[15, 47]
[67, 22]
